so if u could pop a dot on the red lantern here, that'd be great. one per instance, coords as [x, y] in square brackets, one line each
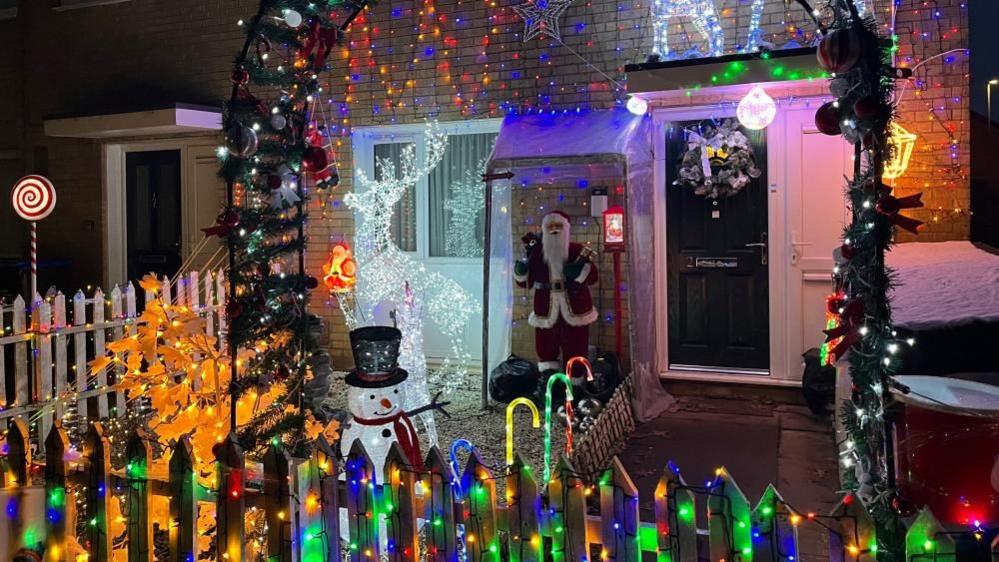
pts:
[827, 119]
[839, 50]
[614, 229]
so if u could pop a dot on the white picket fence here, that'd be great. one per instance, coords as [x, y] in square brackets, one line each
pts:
[47, 352]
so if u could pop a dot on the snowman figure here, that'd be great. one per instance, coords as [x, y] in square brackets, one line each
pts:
[376, 398]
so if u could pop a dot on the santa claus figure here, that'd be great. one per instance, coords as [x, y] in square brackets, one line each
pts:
[559, 273]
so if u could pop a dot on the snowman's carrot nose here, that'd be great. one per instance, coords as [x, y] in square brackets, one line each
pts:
[386, 403]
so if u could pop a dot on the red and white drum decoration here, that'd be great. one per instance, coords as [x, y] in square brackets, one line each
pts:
[33, 197]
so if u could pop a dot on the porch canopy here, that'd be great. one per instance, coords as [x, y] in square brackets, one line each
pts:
[572, 147]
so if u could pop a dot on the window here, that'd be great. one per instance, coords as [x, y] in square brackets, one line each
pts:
[443, 215]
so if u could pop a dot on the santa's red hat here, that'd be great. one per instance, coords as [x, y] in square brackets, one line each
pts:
[555, 216]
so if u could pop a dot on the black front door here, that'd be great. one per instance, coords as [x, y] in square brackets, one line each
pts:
[152, 182]
[717, 269]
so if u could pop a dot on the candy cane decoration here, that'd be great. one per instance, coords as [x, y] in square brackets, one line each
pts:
[548, 419]
[584, 362]
[535, 423]
[33, 199]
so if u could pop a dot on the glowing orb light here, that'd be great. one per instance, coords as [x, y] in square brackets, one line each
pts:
[756, 110]
[638, 106]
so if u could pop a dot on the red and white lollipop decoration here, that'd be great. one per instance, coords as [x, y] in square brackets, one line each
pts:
[33, 198]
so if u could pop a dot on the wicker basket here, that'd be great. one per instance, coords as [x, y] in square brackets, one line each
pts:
[593, 453]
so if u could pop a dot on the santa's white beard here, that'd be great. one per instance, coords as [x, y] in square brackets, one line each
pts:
[555, 247]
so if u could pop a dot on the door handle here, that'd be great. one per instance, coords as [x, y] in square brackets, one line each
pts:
[762, 245]
[794, 247]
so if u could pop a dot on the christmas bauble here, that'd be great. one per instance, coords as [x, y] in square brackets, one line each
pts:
[278, 121]
[282, 372]
[839, 50]
[835, 303]
[292, 18]
[827, 119]
[561, 415]
[274, 181]
[311, 283]
[314, 159]
[242, 141]
[590, 407]
[846, 251]
[240, 76]
[867, 107]
[233, 309]
[839, 87]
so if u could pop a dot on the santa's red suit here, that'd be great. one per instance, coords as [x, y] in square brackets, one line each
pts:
[563, 308]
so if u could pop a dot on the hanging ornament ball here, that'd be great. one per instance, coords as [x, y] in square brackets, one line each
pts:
[314, 159]
[274, 181]
[278, 121]
[233, 309]
[242, 141]
[835, 303]
[240, 76]
[839, 87]
[847, 251]
[827, 119]
[756, 109]
[292, 18]
[311, 283]
[839, 50]
[282, 372]
[867, 107]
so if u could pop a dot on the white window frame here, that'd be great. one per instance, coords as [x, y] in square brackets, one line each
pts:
[364, 140]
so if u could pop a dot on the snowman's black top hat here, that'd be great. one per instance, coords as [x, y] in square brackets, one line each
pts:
[376, 357]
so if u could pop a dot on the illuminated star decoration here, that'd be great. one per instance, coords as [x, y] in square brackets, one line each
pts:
[541, 18]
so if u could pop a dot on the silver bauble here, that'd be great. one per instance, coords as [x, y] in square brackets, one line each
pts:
[839, 87]
[242, 141]
[589, 407]
[278, 121]
[292, 18]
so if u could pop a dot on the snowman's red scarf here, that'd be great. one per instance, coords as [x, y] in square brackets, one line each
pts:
[405, 434]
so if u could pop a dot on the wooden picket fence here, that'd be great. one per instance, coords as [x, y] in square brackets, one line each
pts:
[46, 347]
[405, 514]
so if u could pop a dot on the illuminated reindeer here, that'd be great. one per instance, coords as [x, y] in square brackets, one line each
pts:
[705, 20]
[386, 274]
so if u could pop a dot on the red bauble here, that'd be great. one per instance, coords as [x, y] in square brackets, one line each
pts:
[846, 251]
[240, 76]
[867, 107]
[834, 303]
[273, 181]
[314, 159]
[839, 50]
[233, 309]
[827, 119]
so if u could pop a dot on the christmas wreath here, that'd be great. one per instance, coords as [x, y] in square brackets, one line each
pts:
[718, 162]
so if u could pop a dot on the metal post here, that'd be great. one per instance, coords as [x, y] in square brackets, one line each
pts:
[486, 250]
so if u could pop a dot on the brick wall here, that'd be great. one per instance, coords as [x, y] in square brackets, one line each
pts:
[140, 53]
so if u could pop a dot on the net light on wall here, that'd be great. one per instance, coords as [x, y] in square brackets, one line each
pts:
[902, 142]
[756, 109]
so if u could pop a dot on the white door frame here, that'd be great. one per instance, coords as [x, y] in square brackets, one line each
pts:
[780, 372]
[113, 175]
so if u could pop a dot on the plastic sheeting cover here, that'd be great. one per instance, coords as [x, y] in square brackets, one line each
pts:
[564, 145]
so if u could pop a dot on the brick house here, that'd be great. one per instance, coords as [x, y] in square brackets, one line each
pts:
[98, 89]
